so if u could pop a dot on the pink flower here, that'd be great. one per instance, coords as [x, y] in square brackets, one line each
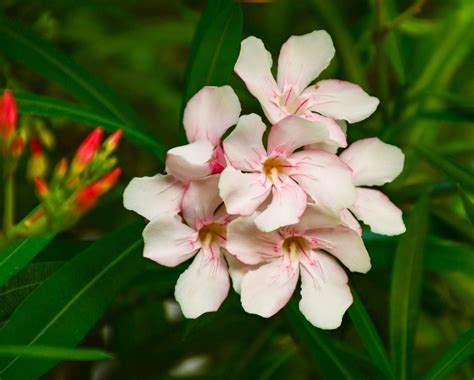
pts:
[375, 163]
[301, 60]
[207, 116]
[201, 232]
[290, 176]
[304, 250]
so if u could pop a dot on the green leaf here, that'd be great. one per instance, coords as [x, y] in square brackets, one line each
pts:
[451, 169]
[369, 335]
[215, 47]
[18, 255]
[55, 353]
[468, 205]
[69, 303]
[444, 256]
[458, 353]
[50, 107]
[405, 289]
[23, 283]
[26, 47]
[318, 345]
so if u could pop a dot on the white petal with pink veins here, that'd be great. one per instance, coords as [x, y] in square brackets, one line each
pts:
[293, 132]
[336, 133]
[287, 206]
[341, 100]
[169, 242]
[350, 221]
[242, 192]
[151, 197]
[201, 201]
[244, 148]
[204, 285]
[325, 295]
[268, 289]
[346, 245]
[375, 209]
[253, 66]
[190, 162]
[316, 216]
[373, 162]
[210, 112]
[250, 245]
[237, 271]
[303, 58]
[326, 178]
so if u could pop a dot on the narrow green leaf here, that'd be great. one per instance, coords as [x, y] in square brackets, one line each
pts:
[405, 289]
[468, 205]
[24, 46]
[215, 47]
[18, 255]
[444, 256]
[55, 353]
[369, 335]
[451, 169]
[318, 345]
[70, 302]
[50, 107]
[457, 354]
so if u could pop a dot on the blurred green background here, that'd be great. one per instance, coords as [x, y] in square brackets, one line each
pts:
[416, 56]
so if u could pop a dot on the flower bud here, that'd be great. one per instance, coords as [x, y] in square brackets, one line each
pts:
[8, 114]
[61, 169]
[105, 183]
[17, 146]
[87, 198]
[37, 164]
[41, 187]
[86, 151]
[112, 141]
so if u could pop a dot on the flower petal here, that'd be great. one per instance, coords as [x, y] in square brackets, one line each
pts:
[346, 245]
[325, 295]
[204, 285]
[201, 201]
[237, 271]
[336, 133]
[242, 192]
[316, 216]
[168, 241]
[375, 209]
[350, 221]
[341, 100]
[303, 58]
[243, 147]
[250, 245]
[154, 196]
[326, 178]
[293, 132]
[210, 112]
[254, 67]
[373, 162]
[268, 289]
[288, 204]
[190, 162]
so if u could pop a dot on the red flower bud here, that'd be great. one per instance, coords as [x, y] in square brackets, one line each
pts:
[8, 114]
[86, 151]
[35, 147]
[61, 168]
[111, 143]
[41, 187]
[87, 198]
[16, 149]
[108, 181]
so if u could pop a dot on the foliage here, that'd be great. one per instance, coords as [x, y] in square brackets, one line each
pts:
[67, 62]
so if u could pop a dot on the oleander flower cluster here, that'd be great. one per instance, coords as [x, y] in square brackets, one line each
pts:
[272, 204]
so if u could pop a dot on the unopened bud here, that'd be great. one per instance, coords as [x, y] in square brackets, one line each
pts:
[112, 141]
[41, 187]
[17, 146]
[105, 183]
[61, 169]
[8, 114]
[86, 151]
[37, 165]
[34, 217]
[87, 198]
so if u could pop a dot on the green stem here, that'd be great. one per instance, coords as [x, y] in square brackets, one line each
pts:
[9, 200]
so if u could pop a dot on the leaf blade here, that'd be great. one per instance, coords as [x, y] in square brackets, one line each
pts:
[88, 283]
[52, 352]
[406, 288]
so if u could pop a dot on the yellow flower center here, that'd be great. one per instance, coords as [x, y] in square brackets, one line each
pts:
[275, 167]
[295, 246]
[212, 233]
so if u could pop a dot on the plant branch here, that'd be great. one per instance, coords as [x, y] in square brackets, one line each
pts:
[411, 11]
